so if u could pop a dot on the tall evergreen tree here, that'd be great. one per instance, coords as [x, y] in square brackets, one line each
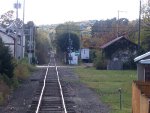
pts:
[6, 64]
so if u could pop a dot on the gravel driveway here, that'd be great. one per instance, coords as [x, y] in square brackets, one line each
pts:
[86, 100]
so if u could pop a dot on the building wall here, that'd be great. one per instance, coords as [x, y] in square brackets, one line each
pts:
[140, 72]
[114, 65]
[8, 41]
[144, 104]
[135, 99]
[140, 102]
[6, 38]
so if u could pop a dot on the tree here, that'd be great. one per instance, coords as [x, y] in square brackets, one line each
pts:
[6, 64]
[7, 18]
[42, 46]
[63, 32]
[67, 27]
[63, 42]
[66, 43]
[145, 42]
[108, 28]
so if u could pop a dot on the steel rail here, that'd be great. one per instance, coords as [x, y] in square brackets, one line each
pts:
[41, 95]
[61, 92]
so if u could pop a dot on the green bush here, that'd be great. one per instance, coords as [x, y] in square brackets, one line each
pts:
[6, 61]
[4, 91]
[7, 80]
[21, 70]
[1, 98]
[99, 61]
[92, 55]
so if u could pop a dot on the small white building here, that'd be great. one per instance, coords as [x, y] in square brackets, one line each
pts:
[9, 41]
[74, 59]
[85, 53]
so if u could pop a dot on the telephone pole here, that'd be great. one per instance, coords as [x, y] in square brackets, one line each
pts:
[118, 22]
[22, 33]
[16, 6]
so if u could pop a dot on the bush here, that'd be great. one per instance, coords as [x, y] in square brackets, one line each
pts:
[99, 61]
[21, 70]
[15, 82]
[6, 61]
[7, 80]
[4, 91]
[92, 55]
[1, 98]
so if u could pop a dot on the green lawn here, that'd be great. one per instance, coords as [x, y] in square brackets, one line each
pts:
[106, 84]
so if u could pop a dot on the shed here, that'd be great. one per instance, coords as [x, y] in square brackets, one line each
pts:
[143, 67]
[119, 53]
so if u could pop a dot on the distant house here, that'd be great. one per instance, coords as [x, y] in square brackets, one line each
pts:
[85, 54]
[9, 41]
[119, 53]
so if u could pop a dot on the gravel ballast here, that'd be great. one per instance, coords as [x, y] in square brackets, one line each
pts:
[86, 100]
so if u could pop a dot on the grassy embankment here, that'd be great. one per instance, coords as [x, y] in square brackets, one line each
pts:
[106, 84]
[22, 71]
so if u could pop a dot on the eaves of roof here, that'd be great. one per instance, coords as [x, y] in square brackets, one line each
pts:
[7, 35]
[141, 57]
[147, 61]
[115, 40]
[111, 42]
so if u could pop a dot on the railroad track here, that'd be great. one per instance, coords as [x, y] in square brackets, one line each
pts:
[52, 95]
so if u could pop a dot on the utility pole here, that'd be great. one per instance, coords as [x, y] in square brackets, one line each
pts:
[16, 6]
[118, 22]
[69, 45]
[139, 41]
[23, 36]
[31, 46]
[118, 25]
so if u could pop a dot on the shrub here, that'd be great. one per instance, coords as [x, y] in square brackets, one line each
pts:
[6, 61]
[4, 91]
[15, 82]
[7, 80]
[99, 61]
[21, 70]
[1, 98]
[92, 55]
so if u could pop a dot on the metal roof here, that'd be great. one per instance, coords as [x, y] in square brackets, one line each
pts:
[147, 61]
[115, 40]
[142, 56]
[111, 42]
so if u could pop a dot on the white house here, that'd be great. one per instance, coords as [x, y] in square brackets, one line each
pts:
[85, 53]
[9, 40]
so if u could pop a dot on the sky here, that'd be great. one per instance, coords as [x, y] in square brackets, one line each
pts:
[43, 12]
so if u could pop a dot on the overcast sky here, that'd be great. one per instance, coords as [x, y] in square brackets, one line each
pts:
[60, 11]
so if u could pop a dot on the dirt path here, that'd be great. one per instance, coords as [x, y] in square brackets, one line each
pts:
[86, 101]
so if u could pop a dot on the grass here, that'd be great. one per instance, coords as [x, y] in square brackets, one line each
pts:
[106, 83]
